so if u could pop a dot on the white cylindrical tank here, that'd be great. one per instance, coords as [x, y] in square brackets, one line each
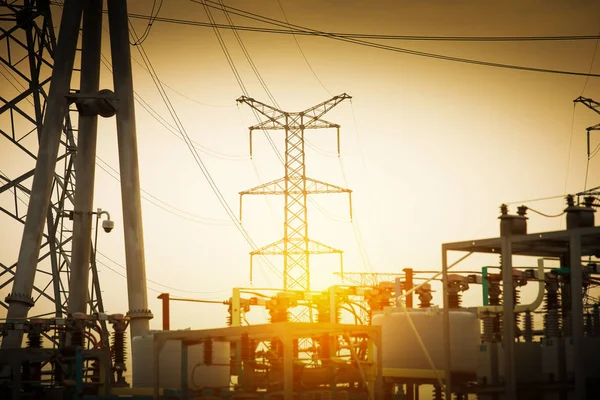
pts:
[199, 375]
[401, 349]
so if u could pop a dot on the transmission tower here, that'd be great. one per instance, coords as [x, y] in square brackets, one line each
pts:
[27, 47]
[296, 246]
[42, 69]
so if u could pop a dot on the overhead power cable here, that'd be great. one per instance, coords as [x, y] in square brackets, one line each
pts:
[113, 173]
[151, 20]
[301, 51]
[194, 153]
[309, 32]
[360, 42]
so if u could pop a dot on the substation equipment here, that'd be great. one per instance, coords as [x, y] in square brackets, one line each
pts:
[367, 339]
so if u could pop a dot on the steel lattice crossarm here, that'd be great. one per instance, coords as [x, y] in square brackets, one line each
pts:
[594, 106]
[313, 186]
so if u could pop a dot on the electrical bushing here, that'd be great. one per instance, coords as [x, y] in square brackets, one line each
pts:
[513, 224]
[580, 216]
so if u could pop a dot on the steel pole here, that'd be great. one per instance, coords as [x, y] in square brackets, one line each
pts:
[20, 298]
[577, 315]
[85, 159]
[508, 320]
[446, 326]
[128, 164]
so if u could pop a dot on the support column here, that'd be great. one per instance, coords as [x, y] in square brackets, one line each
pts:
[85, 161]
[577, 314]
[20, 298]
[288, 367]
[446, 326]
[508, 320]
[128, 165]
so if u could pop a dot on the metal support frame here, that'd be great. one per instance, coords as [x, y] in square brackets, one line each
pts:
[295, 186]
[287, 332]
[577, 243]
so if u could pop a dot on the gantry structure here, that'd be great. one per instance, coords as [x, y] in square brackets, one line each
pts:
[295, 186]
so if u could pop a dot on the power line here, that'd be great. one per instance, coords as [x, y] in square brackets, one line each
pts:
[192, 149]
[163, 204]
[309, 32]
[257, 17]
[150, 280]
[151, 20]
[301, 51]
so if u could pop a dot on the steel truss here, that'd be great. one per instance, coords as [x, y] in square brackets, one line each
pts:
[27, 45]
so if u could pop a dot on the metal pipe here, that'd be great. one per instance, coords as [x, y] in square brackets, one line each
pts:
[85, 160]
[128, 164]
[20, 298]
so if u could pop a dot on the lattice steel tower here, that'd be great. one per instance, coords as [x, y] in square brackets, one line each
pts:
[27, 48]
[296, 246]
[37, 121]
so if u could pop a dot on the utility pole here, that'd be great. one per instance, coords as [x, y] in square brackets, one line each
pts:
[90, 103]
[296, 246]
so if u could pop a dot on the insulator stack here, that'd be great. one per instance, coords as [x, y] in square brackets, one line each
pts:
[34, 339]
[528, 326]
[324, 315]
[118, 353]
[118, 345]
[487, 334]
[33, 371]
[552, 305]
[494, 293]
[454, 300]
[437, 393]
[517, 300]
[552, 324]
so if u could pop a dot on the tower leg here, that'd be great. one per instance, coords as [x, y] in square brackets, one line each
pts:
[128, 164]
[85, 159]
[20, 298]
